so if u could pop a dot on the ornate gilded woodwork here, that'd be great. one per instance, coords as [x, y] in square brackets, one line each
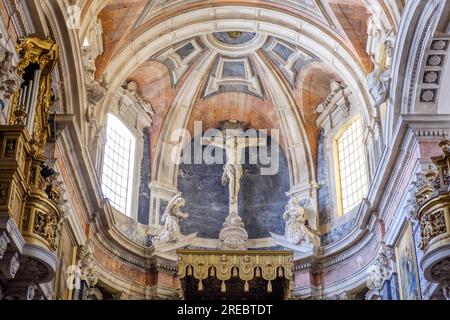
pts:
[41, 218]
[246, 265]
[14, 168]
[431, 226]
[433, 214]
[44, 54]
[28, 190]
[434, 200]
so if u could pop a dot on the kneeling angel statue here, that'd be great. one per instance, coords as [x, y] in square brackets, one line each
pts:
[172, 218]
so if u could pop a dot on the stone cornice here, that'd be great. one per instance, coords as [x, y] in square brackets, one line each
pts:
[326, 262]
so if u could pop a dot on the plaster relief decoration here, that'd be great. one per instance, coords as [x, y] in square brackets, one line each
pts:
[411, 204]
[132, 99]
[87, 265]
[172, 218]
[179, 58]
[9, 79]
[379, 83]
[96, 92]
[233, 74]
[338, 91]
[296, 230]
[432, 71]
[381, 269]
[407, 266]
[380, 39]
[380, 44]
[288, 58]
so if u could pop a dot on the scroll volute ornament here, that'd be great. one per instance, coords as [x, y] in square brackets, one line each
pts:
[45, 54]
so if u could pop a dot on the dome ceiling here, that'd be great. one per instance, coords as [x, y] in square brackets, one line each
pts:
[123, 20]
[239, 61]
[267, 62]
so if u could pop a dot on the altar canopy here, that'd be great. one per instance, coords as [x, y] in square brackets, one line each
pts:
[232, 275]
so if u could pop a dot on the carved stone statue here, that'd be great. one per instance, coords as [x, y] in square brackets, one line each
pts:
[379, 82]
[233, 236]
[232, 174]
[296, 230]
[172, 217]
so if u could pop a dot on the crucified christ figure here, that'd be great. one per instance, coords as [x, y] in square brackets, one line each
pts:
[233, 169]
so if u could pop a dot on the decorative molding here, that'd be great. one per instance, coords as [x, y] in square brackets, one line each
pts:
[179, 58]
[233, 74]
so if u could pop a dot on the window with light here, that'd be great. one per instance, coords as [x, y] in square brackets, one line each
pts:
[352, 167]
[118, 165]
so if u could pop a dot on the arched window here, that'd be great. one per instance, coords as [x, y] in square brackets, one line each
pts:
[118, 165]
[351, 167]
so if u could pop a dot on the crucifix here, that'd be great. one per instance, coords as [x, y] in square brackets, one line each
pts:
[233, 143]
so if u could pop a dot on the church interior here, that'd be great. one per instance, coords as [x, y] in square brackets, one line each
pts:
[224, 150]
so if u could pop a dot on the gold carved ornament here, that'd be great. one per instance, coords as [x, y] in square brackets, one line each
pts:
[433, 198]
[235, 34]
[38, 212]
[247, 265]
[45, 54]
